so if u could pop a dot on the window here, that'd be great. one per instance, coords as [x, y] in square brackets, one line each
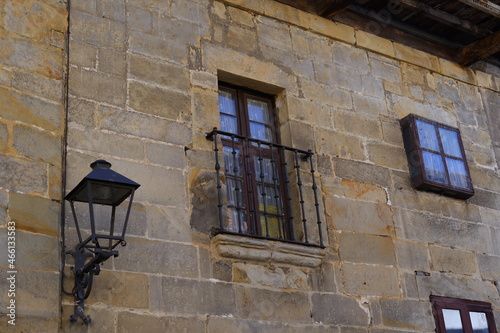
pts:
[436, 157]
[264, 189]
[253, 180]
[455, 315]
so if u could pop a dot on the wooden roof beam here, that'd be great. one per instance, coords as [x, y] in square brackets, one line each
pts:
[479, 50]
[330, 8]
[485, 6]
[446, 18]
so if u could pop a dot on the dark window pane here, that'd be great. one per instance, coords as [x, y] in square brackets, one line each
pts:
[479, 322]
[434, 167]
[452, 321]
[450, 142]
[267, 170]
[260, 132]
[232, 162]
[457, 172]
[427, 136]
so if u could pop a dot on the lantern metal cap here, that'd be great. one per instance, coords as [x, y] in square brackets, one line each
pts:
[103, 178]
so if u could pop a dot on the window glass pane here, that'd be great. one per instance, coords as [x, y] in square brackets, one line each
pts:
[233, 222]
[267, 170]
[452, 321]
[258, 111]
[272, 199]
[479, 322]
[260, 132]
[449, 139]
[434, 167]
[228, 124]
[427, 135]
[227, 103]
[232, 162]
[457, 172]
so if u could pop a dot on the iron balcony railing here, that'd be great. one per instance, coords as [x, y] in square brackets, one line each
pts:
[266, 190]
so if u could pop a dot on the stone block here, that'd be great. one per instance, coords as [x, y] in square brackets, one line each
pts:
[368, 249]
[407, 314]
[114, 9]
[82, 112]
[241, 16]
[30, 324]
[385, 68]
[37, 292]
[264, 304]
[34, 214]
[457, 286]
[31, 110]
[98, 31]
[449, 260]
[157, 101]
[412, 256]
[100, 142]
[97, 86]
[358, 216]
[360, 279]
[141, 19]
[338, 310]
[486, 199]
[103, 318]
[275, 277]
[242, 39]
[374, 87]
[34, 19]
[135, 322]
[161, 73]
[44, 87]
[370, 106]
[169, 258]
[361, 172]
[112, 62]
[436, 229]
[203, 187]
[457, 71]
[31, 55]
[88, 6]
[335, 30]
[143, 125]
[375, 43]
[339, 98]
[489, 267]
[390, 156]
[23, 175]
[166, 155]
[189, 296]
[37, 144]
[351, 189]
[340, 144]
[157, 47]
[417, 57]
[120, 289]
[4, 137]
[358, 125]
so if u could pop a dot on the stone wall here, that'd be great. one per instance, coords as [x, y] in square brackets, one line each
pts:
[32, 118]
[142, 93]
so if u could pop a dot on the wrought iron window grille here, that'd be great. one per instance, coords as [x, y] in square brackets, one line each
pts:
[275, 216]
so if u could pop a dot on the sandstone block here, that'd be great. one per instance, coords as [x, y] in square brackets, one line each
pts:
[112, 62]
[387, 155]
[34, 214]
[154, 71]
[157, 101]
[43, 87]
[412, 256]
[35, 251]
[407, 314]
[98, 31]
[133, 322]
[361, 172]
[372, 280]
[140, 19]
[368, 249]
[489, 267]
[23, 175]
[181, 260]
[37, 144]
[157, 47]
[340, 144]
[370, 106]
[97, 86]
[452, 261]
[357, 124]
[417, 57]
[4, 137]
[338, 310]
[114, 9]
[242, 39]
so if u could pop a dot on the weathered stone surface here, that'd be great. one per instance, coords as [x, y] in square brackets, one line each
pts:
[413, 315]
[338, 310]
[360, 279]
[34, 214]
[448, 260]
[361, 172]
[368, 249]
[23, 175]
[412, 256]
[489, 267]
[98, 31]
[157, 101]
[171, 259]
[284, 278]
[188, 296]
[340, 144]
[133, 322]
[161, 73]
[168, 223]
[97, 86]
[263, 304]
[37, 145]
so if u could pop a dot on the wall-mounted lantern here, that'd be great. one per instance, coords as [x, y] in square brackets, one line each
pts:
[108, 189]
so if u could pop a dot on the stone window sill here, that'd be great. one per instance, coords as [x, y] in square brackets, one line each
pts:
[243, 248]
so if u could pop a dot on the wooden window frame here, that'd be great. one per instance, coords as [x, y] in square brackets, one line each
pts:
[464, 306]
[248, 177]
[414, 153]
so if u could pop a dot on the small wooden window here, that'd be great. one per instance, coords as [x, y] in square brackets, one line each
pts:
[454, 315]
[436, 157]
